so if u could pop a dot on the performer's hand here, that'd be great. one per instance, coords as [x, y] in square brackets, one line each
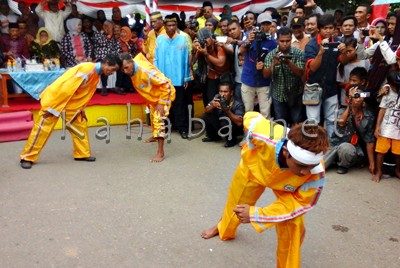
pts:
[160, 109]
[243, 213]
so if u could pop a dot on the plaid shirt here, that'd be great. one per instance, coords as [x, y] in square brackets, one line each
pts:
[284, 82]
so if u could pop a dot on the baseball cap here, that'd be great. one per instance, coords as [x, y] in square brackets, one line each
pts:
[264, 17]
[297, 21]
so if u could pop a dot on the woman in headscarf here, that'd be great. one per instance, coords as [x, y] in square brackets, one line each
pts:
[211, 24]
[125, 41]
[75, 45]
[44, 47]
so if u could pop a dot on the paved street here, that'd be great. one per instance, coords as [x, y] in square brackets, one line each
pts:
[123, 211]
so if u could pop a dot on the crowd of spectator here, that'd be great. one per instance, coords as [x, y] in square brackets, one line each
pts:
[337, 69]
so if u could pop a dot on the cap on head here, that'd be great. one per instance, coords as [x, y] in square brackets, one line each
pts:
[264, 17]
[297, 21]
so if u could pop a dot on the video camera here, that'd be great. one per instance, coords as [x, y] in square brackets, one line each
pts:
[283, 57]
[260, 35]
[361, 95]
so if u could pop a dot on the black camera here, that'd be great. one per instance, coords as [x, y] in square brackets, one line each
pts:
[202, 42]
[365, 32]
[260, 35]
[193, 25]
[222, 101]
[331, 45]
[283, 57]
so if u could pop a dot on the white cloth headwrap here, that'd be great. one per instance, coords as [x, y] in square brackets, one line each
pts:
[303, 156]
[72, 26]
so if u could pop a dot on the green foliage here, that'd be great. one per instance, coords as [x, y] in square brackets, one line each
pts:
[394, 7]
[348, 6]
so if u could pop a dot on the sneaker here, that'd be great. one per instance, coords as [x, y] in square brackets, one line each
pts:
[342, 170]
[25, 164]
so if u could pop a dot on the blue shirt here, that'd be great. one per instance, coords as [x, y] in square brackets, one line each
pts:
[171, 57]
[250, 75]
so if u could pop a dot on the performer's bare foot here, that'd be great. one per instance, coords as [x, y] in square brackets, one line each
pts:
[157, 158]
[150, 139]
[210, 233]
[377, 177]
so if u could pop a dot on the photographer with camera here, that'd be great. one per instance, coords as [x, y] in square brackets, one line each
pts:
[255, 49]
[248, 22]
[224, 105]
[212, 62]
[355, 143]
[285, 66]
[321, 89]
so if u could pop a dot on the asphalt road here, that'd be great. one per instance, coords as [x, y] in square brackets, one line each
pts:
[123, 211]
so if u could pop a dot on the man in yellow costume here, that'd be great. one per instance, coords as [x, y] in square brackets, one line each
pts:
[157, 24]
[292, 168]
[158, 92]
[70, 93]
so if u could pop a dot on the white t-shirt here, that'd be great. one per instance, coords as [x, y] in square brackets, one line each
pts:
[390, 127]
[346, 75]
[54, 21]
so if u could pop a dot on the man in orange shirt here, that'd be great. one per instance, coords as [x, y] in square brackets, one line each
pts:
[158, 92]
[70, 93]
[157, 24]
[290, 167]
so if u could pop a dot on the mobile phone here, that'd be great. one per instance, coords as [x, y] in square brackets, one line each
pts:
[365, 32]
[221, 39]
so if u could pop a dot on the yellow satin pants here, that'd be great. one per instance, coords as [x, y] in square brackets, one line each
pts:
[245, 190]
[44, 126]
[157, 121]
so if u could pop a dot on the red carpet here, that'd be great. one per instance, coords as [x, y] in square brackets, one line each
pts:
[28, 103]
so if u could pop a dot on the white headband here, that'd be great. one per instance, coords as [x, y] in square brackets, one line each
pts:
[303, 156]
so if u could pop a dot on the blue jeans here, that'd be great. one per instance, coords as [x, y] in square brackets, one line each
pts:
[329, 106]
[291, 114]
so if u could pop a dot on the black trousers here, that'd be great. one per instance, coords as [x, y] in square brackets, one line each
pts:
[124, 81]
[179, 114]
[214, 124]
[210, 90]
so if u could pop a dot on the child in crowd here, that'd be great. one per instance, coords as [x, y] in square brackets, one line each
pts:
[387, 129]
[344, 70]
